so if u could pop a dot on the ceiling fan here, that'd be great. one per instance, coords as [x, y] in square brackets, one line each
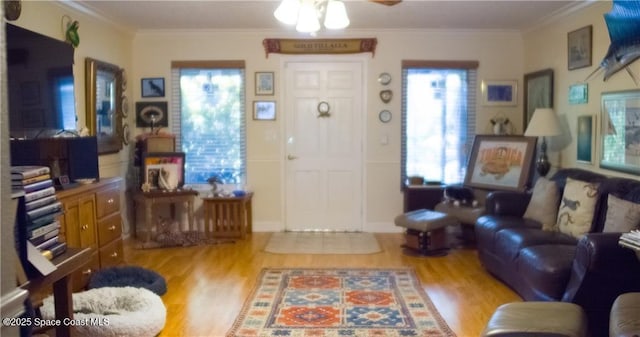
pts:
[387, 2]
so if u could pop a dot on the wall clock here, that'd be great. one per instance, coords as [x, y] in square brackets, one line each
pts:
[385, 116]
[385, 95]
[384, 78]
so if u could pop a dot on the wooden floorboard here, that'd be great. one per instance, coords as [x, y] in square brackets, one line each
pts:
[208, 284]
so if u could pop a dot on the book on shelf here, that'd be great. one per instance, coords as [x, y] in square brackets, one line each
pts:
[54, 207]
[28, 197]
[48, 243]
[37, 186]
[38, 231]
[55, 250]
[44, 237]
[40, 202]
[42, 221]
[28, 171]
[17, 182]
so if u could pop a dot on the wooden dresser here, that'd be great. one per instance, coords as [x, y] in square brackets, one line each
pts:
[92, 219]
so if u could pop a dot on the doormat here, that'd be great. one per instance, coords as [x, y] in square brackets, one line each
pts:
[322, 243]
[339, 303]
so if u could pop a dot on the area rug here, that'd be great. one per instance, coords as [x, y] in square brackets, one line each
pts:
[338, 303]
[322, 243]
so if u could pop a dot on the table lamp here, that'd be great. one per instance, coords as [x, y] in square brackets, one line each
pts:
[544, 122]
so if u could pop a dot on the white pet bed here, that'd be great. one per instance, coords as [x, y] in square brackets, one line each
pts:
[131, 312]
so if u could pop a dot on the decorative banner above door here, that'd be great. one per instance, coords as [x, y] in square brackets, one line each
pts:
[319, 46]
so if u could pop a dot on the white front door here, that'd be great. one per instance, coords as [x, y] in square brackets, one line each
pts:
[324, 103]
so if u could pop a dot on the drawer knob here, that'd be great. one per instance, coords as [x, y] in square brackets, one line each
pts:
[110, 201]
[114, 254]
[87, 272]
[112, 228]
[85, 227]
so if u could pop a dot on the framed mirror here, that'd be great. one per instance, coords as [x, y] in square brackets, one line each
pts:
[104, 98]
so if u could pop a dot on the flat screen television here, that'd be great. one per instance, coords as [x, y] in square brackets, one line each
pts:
[40, 84]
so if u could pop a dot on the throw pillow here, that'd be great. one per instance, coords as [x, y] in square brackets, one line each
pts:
[622, 215]
[543, 206]
[577, 205]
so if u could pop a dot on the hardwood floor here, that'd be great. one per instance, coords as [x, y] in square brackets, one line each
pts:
[207, 285]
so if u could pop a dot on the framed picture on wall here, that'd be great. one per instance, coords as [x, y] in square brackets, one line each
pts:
[620, 131]
[264, 83]
[579, 48]
[500, 93]
[264, 110]
[538, 93]
[152, 87]
[585, 139]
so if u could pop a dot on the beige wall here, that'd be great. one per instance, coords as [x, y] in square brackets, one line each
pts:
[499, 53]
[502, 56]
[547, 48]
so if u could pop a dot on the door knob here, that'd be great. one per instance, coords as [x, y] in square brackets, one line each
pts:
[290, 157]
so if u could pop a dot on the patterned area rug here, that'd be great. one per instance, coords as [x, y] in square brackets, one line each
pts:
[322, 243]
[339, 303]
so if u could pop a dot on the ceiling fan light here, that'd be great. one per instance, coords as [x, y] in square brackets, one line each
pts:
[287, 11]
[308, 19]
[336, 16]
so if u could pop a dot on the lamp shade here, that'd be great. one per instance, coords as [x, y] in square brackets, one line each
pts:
[543, 123]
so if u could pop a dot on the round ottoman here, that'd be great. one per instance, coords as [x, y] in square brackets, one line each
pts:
[129, 276]
[107, 312]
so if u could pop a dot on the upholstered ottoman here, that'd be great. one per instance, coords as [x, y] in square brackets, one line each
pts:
[539, 319]
[425, 230]
[625, 316]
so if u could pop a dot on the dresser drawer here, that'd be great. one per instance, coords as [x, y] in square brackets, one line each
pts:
[109, 229]
[80, 278]
[111, 254]
[107, 202]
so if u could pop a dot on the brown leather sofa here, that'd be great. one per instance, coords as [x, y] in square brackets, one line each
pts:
[551, 266]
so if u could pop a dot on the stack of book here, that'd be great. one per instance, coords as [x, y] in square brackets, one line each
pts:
[631, 240]
[42, 208]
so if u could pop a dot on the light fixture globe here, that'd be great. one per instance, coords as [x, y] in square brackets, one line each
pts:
[308, 18]
[336, 15]
[287, 12]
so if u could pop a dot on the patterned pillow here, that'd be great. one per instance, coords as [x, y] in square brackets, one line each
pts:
[576, 207]
[622, 215]
[543, 206]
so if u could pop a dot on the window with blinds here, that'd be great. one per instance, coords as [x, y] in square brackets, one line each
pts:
[208, 119]
[438, 119]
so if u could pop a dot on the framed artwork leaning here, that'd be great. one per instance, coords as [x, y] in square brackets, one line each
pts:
[501, 162]
[163, 170]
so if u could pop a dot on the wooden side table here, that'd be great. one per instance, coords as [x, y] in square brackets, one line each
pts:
[228, 217]
[149, 199]
[67, 263]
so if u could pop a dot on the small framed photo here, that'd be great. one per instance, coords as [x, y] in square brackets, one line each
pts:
[578, 93]
[264, 83]
[264, 110]
[498, 93]
[153, 87]
[579, 48]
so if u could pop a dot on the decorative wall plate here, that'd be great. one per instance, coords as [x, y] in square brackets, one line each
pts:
[12, 9]
[386, 95]
[385, 116]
